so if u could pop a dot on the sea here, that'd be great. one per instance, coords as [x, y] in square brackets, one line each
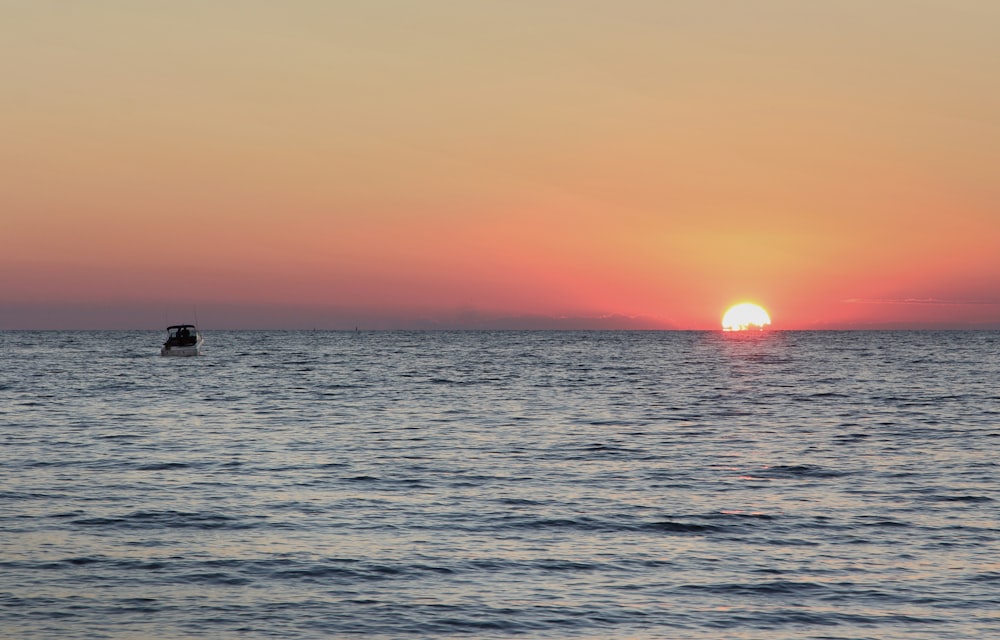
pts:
[509, 484]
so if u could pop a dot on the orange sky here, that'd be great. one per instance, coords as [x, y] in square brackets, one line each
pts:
[578, 163]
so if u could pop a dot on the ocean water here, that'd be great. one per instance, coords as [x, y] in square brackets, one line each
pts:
[501, 484]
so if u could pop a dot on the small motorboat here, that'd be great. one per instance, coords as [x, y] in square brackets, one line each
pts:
[182, 340]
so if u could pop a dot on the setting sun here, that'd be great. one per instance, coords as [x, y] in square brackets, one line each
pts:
[745, 316]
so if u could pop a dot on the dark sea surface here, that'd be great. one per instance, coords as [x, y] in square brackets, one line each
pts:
[501, 484]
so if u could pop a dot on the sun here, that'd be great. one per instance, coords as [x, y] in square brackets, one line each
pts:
[745, 316]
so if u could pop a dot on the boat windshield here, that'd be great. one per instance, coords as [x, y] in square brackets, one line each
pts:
[181, 335]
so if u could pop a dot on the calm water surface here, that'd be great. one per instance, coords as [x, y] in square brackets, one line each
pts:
[499, 484]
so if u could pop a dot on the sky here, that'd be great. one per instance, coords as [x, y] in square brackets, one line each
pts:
[497, 164]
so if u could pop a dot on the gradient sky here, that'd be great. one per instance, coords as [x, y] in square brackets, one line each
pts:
[490, 163]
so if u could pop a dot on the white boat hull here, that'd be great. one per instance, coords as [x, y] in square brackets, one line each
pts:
[186, 350]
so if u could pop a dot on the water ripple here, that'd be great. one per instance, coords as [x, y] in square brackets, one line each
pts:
[500, 484]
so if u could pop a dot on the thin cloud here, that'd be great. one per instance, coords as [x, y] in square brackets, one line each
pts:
[920, 301]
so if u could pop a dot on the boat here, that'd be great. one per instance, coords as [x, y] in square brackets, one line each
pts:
[182, 340]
